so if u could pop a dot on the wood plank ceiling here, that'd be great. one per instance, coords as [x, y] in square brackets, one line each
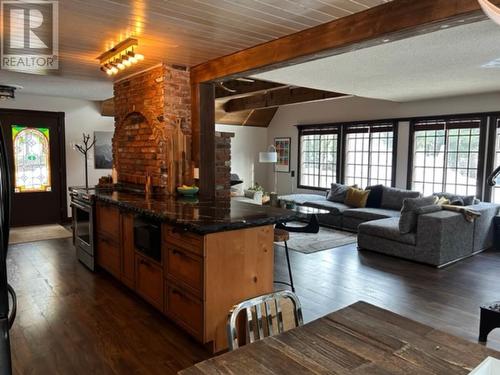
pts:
[186, 32]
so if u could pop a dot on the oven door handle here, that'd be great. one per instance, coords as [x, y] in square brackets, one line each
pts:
[80, 206]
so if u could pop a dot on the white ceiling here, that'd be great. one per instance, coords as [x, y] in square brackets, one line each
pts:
[451, 62]
[90, 89]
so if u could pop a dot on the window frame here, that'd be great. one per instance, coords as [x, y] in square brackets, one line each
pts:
[341, 127]
[381, 126]
[322, 129]
[482, 117]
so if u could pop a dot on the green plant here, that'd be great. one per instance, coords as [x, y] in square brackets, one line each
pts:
[257, 187]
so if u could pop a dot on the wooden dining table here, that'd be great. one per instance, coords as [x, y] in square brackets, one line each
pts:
[359, 339]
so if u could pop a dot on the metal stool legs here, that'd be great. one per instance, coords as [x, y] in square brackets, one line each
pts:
[290, 284]
[289, 267]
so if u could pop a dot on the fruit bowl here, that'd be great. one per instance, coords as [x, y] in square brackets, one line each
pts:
[188, 191]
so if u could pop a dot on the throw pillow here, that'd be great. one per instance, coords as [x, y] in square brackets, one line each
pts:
[428, 209]
[458, 200]
[356, 197]
[408, 219]
[375, 196]
[338, 193]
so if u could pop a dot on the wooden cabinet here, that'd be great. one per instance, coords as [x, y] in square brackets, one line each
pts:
[108, 255]
[184, 240]
[149, 280]
[108, 221]
[184, 267]
[198, 279]
[184, 308]
[128, 250]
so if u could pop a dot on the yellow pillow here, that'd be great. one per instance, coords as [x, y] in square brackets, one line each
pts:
[356, 197]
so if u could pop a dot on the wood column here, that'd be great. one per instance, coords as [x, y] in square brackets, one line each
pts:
[204, 136]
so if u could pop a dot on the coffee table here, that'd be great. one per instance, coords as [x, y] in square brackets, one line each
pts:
[311, 213]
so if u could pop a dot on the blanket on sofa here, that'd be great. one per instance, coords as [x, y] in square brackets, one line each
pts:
[469, 214]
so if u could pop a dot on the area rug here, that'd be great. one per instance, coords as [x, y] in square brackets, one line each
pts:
[38, 233]
[325, 239]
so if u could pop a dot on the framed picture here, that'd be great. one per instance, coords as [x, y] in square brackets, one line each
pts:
[283, 149]
[103, 150]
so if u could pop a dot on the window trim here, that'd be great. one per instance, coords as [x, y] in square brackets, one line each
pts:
[395, 130]
[317, 130]
[483, 117]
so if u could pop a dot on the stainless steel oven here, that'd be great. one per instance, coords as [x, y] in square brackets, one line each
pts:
[82, 204]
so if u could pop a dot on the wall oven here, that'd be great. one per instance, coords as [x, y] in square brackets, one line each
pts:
[82, 203]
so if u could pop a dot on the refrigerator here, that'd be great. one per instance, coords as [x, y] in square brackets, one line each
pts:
[8, 300]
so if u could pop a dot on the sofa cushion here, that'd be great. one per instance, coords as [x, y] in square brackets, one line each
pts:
[302, 198]
[392, 198]
[334, 207]
[375, 196]
[356, 197]
[370, 213]
[338, 193]
[408, 220]
[388, 229]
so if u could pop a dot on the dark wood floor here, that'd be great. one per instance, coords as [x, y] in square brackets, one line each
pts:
[71, 321]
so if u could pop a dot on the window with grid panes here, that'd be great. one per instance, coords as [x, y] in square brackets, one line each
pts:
[446, 156]
[318, 157]
[495, 193]
[369, 154]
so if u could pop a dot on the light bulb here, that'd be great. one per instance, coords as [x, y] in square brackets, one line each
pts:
[109, 72]
[139, 57]
[126, 62]
[119, 65]
[114, 70]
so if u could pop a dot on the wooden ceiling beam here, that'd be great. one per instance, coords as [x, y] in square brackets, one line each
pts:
[243, 87]
[398, 19]
[275, 98]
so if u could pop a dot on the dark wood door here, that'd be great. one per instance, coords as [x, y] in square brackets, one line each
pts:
[36, 153]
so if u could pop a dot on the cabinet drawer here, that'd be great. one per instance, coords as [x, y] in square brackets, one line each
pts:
[149, 281]
[185, 266]
[186, 240]
[185, 309]
[108, 221]
[108, 255]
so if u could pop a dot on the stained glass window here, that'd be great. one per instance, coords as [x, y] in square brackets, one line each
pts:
[31, 159]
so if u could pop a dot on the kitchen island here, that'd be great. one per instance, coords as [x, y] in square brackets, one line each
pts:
[191, 259]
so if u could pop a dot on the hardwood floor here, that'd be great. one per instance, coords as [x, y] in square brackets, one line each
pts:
[71, 321]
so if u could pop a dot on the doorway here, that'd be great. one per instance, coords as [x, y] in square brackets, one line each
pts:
[36, 154]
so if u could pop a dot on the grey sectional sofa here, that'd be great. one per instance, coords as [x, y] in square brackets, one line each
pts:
[441, 237]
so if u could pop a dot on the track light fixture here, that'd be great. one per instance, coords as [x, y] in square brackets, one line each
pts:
[120, 57]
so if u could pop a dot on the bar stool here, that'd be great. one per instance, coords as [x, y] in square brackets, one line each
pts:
[281, 235]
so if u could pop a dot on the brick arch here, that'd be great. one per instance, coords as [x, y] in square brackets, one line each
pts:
[139, 147]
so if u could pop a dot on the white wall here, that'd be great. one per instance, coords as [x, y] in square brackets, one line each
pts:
[361, 109]
[81, 116]
[245, 147]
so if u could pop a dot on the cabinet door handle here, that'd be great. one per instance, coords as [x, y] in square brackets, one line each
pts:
[178, 253]
[178, 293]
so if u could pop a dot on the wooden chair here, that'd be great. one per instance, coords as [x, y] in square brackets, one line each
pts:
[261, 315]
[282, 235]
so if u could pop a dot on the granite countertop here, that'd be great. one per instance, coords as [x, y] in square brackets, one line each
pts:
[197, 215]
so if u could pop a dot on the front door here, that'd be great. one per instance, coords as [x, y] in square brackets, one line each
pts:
[35, 147]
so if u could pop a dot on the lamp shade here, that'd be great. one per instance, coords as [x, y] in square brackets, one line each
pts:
[268, 157]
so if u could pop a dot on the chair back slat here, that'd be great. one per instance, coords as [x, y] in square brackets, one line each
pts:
[250, 325]
[269, 318]
[260, 327]
[254, 317]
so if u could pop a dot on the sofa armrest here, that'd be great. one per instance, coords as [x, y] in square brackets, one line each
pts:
[443, 236]
[483, 226]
